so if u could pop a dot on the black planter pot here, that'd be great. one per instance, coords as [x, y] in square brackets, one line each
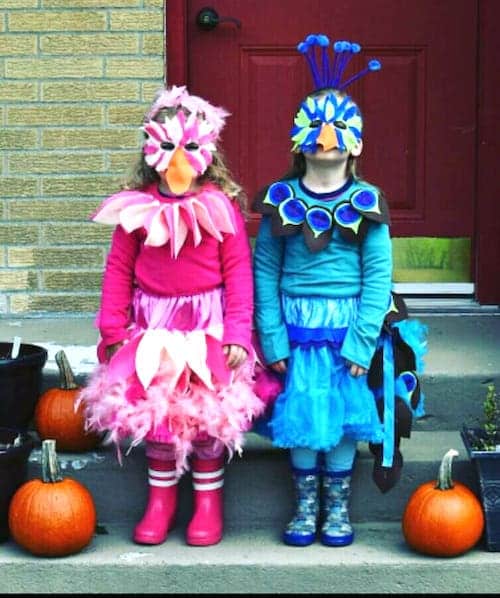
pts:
[20, 384]
[13, 471]
[487, 465]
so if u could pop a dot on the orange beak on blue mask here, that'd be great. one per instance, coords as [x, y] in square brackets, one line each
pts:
[329, 121]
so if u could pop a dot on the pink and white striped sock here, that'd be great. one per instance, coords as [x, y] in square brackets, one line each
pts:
[161, 474]
[208, 480]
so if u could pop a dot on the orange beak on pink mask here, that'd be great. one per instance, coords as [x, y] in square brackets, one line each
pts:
[179, 149]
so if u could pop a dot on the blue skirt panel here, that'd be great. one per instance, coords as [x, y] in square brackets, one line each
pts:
[321, 402]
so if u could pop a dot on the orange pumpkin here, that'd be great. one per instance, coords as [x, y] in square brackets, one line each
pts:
[443, 518]
[52, 516]
[56, 417]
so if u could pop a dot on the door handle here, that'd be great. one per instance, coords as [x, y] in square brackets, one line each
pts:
[208, 19]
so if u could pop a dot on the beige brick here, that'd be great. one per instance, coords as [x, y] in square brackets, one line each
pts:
[54, 303]
[90, 139]
[50, 20]
[90, 91]
[123, 162]
[18, 234]
[89, 233]
[18, 44]
[51, 210]
[18, 90]
[20, 138]
[136, 20]
[140, 68]
[92, 3]
[96, 43]
[18, 4]
[22, 257]
[55, 115]
[79, 186]
[42, 68]
[127, 114]
[154, 4]
[149, 90]
[71, 281]
[56, 162]
[18, 187]
[153, 43]
[18, 280]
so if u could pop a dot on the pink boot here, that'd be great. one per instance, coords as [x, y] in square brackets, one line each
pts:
[206, 526]
[162, 503]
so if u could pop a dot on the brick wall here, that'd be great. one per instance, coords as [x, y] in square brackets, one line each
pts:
[75, 79]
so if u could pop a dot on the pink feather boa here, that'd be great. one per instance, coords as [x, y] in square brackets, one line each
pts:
[173, 417]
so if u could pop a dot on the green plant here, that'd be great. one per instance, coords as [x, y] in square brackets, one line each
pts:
[490, 432]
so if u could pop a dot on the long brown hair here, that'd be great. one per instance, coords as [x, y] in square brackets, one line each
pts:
[217, 172]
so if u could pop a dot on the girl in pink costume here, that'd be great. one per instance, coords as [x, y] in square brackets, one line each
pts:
[176, 361]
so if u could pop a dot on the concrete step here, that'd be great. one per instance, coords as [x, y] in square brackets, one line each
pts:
[258, 486]
[250, 561]
[463, 355]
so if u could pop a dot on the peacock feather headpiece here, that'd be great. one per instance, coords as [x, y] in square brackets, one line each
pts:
[330, 120]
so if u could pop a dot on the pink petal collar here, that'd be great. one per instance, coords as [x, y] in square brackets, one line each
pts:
[169, 218]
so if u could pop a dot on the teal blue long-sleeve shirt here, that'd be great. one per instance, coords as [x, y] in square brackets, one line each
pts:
[285, 264]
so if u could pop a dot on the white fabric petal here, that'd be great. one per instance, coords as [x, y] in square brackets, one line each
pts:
[175, 354]
[147, 357]
[192, 221]
[204, 218]
[221, 216]
[109, 211]
[179, 232]
[174, 129]
[196, 356]
[132, 217]
[158, 233]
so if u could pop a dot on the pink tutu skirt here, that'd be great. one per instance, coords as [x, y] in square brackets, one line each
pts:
[169, 382]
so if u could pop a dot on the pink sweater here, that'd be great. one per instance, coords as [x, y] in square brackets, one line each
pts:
[196, 269]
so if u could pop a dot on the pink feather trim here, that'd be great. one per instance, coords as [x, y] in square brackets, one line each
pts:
[267, 385]
[210, 210]
[178, 96]
[176, 417]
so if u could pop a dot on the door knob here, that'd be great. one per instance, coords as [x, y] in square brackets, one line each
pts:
[208, 19]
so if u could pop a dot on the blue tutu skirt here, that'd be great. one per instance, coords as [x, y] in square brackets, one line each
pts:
[321, 402]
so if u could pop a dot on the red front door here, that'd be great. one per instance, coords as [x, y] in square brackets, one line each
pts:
[419, 110]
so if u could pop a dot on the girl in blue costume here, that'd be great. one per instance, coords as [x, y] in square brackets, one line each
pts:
[327, 319]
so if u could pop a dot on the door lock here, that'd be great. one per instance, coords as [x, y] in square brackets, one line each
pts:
[208, 19]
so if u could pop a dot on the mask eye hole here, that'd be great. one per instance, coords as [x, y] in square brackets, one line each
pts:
[191, 146]
[314, 124]
[340, 124]
[167, 145]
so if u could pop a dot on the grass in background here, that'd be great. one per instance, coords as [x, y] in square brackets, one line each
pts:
[431, 259]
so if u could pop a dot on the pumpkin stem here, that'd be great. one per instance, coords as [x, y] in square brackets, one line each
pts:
[50, 465]
[66, 376]
[445, 481]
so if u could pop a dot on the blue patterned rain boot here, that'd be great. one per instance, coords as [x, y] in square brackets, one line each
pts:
[336, 529]
[301, 530]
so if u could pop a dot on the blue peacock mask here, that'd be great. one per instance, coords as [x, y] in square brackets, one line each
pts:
[329, 119]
